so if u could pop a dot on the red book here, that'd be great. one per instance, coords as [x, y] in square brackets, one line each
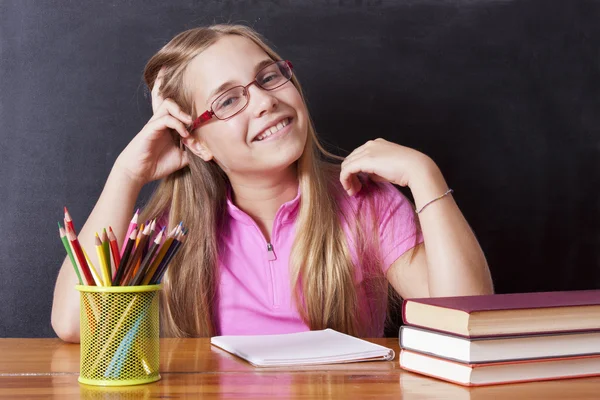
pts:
[506, 314]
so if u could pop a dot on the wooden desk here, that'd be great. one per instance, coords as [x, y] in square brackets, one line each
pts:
[49, 368]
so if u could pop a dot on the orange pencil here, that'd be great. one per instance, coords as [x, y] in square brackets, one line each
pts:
[133, 262]
[140, 274]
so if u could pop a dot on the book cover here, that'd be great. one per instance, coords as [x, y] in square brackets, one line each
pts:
[506, 314]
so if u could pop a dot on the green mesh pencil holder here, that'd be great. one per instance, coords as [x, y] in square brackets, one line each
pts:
[119, 333]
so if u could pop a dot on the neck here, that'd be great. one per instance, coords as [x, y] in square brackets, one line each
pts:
[261, 197]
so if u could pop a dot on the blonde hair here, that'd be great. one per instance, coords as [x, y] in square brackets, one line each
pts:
[322, 270]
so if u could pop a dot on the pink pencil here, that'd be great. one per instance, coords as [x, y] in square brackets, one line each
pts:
[132, 226]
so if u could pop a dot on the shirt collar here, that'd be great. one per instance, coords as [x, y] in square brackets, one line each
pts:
[287, 211]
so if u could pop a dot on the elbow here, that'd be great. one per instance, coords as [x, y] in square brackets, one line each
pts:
[66, 330]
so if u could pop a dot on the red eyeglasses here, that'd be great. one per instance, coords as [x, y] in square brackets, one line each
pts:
[234, 100]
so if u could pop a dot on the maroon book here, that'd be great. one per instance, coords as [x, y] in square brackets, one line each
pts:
[506, 314]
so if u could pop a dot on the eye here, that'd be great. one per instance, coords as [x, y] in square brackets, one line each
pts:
[269, 77]
[227, 102]
[272, 78]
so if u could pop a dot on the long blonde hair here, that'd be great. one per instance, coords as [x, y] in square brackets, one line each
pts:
[321, 266]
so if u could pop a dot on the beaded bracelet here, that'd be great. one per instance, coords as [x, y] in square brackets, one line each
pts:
[436, 199]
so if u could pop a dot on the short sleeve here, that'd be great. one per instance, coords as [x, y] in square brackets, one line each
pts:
[399, 228]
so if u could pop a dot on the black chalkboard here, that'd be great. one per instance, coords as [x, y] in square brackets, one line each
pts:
[503, 95]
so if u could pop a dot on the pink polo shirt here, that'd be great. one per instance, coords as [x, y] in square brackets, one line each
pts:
[254, 294]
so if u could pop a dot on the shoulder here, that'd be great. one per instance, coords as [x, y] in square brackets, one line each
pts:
[380, 198]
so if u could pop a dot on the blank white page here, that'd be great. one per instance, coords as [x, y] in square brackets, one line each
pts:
[303, 348]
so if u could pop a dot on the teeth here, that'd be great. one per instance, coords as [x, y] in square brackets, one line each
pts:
[268, 132]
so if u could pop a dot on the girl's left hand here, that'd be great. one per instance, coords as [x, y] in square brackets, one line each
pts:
[382, 161]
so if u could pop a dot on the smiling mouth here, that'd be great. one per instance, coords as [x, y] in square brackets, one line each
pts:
[274, 129]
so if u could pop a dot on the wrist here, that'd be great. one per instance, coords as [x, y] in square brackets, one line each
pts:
[427, 183]
[120, 176]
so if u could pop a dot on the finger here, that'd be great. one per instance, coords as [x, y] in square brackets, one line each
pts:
[157, 99]
[349, 177]
[168, 121]
[169, 107]
[359, 151]
[377, 178]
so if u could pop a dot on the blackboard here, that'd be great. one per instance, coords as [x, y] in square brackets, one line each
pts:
[503, 95]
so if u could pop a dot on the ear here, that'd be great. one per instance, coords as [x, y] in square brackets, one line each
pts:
[198, 148]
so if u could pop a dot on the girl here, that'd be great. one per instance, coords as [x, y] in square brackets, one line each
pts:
[282, 238]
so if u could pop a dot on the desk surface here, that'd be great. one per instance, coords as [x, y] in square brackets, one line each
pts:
[49, 368]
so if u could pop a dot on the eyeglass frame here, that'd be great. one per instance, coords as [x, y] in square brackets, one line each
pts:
[208, 114]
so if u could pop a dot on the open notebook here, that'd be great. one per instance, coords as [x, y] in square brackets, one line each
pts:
[305, 348]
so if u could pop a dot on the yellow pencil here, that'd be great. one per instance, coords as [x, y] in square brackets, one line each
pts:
[95, 275]
[103, 267]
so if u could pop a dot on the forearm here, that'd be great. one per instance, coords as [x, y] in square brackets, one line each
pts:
[455, 262]
[114, 208]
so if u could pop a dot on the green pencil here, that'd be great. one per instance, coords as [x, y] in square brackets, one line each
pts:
[106, 250]
[63, 237]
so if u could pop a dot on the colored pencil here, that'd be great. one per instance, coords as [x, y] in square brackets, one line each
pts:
[93, 270]
[137, 254]
[69, 221]
[106, 250]
[132, 226]
[126, 255]
[168, 256]
[80, 257]
[65, 242]
[145, 248]
[102, 260]
[159, 273]
[159, 257]
[114, 250]
[141, 273]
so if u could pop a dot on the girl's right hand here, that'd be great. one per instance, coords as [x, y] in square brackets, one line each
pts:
[153, 154]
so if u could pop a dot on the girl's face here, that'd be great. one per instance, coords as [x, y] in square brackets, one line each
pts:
[238, 144]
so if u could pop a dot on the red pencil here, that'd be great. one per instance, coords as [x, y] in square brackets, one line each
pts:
[69, 221]
[80, 257]
[114, 250]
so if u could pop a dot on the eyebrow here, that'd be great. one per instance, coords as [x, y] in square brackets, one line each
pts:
[227, 84]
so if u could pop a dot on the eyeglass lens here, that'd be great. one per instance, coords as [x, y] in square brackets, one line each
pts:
[235, 99]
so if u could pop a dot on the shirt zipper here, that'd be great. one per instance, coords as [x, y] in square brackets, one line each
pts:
[271, 256]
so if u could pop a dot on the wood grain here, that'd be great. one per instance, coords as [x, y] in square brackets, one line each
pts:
[48, 368]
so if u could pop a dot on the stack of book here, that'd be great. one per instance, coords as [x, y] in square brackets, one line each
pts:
[494, 339]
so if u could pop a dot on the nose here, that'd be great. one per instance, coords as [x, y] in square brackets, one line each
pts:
[261, 101]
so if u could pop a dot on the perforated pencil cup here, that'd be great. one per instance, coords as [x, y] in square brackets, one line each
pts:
[119, 333]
